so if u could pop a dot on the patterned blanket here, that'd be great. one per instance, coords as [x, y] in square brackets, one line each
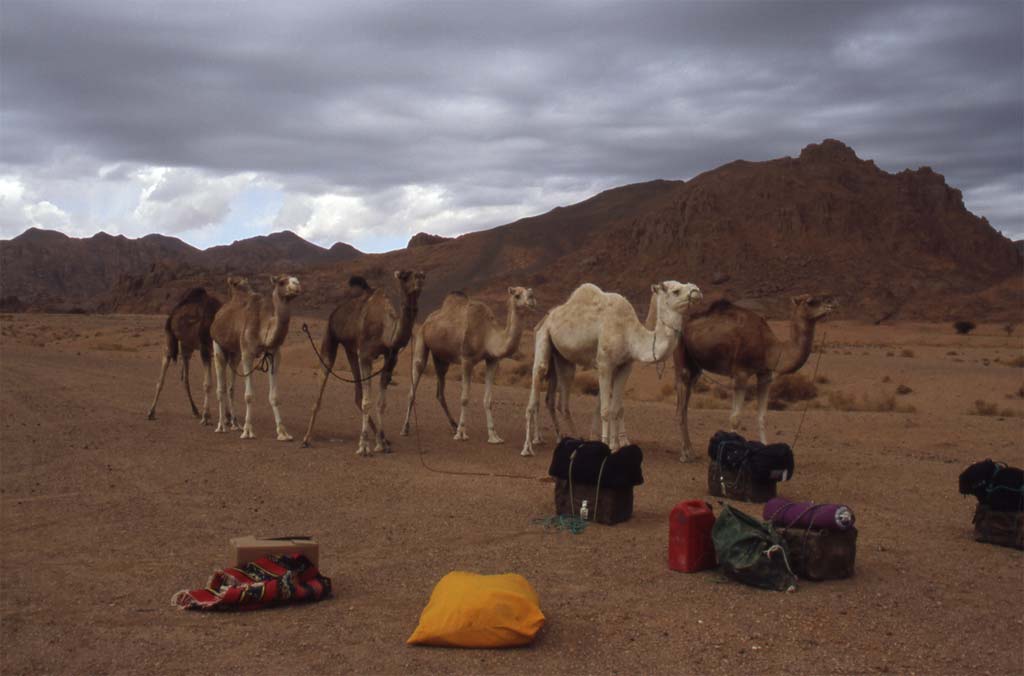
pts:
[271, 580]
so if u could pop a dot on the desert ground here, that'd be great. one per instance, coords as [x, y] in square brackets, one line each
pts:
[106, 514]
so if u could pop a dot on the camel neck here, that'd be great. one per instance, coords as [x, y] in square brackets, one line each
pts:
[795, 353]
[406, 319]
[652, 313]
[654, 345]
[508, 341]
[278, 329]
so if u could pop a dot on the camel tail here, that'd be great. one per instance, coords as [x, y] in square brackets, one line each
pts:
[171, 341]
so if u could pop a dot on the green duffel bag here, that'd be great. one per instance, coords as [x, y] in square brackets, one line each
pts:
[751, 552]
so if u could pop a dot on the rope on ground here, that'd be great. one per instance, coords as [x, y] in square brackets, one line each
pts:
[560, 522]
[456, 472]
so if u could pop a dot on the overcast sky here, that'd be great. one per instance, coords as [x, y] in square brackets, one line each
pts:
[368, 122]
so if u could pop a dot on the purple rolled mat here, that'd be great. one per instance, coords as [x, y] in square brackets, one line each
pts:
[788, 514]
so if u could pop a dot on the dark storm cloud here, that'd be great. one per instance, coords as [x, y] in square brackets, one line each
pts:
[487, 99]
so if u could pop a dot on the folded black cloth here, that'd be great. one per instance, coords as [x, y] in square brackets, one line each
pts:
[995, 484]
[771, 462]
[621, 468]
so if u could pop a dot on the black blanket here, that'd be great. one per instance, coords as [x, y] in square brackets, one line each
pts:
[771, 462]
[995, 484]
[621, 468]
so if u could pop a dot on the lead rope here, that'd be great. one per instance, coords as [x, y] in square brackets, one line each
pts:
[328, 369]
[814, 376]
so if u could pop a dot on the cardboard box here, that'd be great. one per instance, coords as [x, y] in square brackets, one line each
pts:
[249, 548]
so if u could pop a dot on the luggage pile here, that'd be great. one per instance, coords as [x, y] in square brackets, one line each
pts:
[999, 516]
[588, 471]
[821, 538]
[747, 470]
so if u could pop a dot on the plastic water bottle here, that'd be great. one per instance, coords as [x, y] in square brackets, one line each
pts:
[584, 511]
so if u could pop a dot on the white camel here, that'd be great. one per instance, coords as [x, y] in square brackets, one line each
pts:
[595, 329]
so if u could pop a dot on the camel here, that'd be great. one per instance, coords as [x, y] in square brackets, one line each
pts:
[246, 331]
[595, 329]
[186, 330]
[366, 325]
[465, 331]
[728, 340]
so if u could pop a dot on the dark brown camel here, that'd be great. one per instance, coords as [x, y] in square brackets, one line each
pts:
[367, 326]
[186, 330]
[728, 340]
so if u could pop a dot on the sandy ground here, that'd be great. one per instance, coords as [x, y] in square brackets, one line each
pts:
[106, 514]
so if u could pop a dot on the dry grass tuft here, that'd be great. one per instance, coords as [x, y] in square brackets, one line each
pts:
[1016, 362]
[792, 387]
[909, 354]
[903, 389]
[982, 407]
[822, 380]
[878, 403]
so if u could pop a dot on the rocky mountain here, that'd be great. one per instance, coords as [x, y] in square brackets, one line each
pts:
[47, 270]
[889, 245]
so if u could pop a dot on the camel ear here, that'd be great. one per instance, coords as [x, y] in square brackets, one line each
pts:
[511, 291]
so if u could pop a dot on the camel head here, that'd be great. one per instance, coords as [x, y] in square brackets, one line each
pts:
[676, 296]
[812, 307]
[522, 298]
[286, 286]
[411, 282]
[238, 286]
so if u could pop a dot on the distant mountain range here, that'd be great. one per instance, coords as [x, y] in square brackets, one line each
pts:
[889, 245]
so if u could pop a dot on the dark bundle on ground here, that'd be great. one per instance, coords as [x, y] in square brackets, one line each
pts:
[995, 485]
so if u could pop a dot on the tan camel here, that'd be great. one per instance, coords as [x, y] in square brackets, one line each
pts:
[594, 329]
[466, 331]
[248, 329]
[366, 325]
[731, 341]
[186, 330]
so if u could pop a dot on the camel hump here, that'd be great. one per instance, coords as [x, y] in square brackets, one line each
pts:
[458, 293]
[194, 295]
[357, 282]
[720, 306]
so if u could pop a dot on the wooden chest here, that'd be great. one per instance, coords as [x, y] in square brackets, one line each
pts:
[1000, 528]
[724, 482]
[609, 506]
[821, 554]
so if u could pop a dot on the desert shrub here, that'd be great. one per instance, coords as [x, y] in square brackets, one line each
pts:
[668, 390]
[701, 386]
[903, 389]
[877, 403]
[886, 379]
[952, 353]
[982, 407]
[822, 380]
[963, 327]
[909, 354]
[1009, 328]
[792, 387]
[1017, 362]
[890, 354]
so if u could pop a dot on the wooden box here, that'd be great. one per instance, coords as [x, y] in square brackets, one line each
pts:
[610, 506]
[821, 554]
[1000, 528]
[249, 548]
[738, 485]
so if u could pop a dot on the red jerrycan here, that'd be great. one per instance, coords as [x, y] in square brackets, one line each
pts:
[689, 537]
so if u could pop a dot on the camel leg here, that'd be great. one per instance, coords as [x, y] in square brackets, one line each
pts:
[159, 386]
[231, 375]
[566, 371]
[365, 366]
[685, 380]
[467, 377]
[604, 380]
[764, 381]
[419, 362]
[618, 393]
[492, 436]
[552, 403]
[329, 356]
[441, 369]
[207, 366]
[383, 445]
[739, 393]
[541, 355]
[275, 366]
[355, 365]
[250, 395]
[185, 358]
[220, 365]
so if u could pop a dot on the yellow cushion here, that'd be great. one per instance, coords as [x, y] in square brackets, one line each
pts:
[467, 610]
